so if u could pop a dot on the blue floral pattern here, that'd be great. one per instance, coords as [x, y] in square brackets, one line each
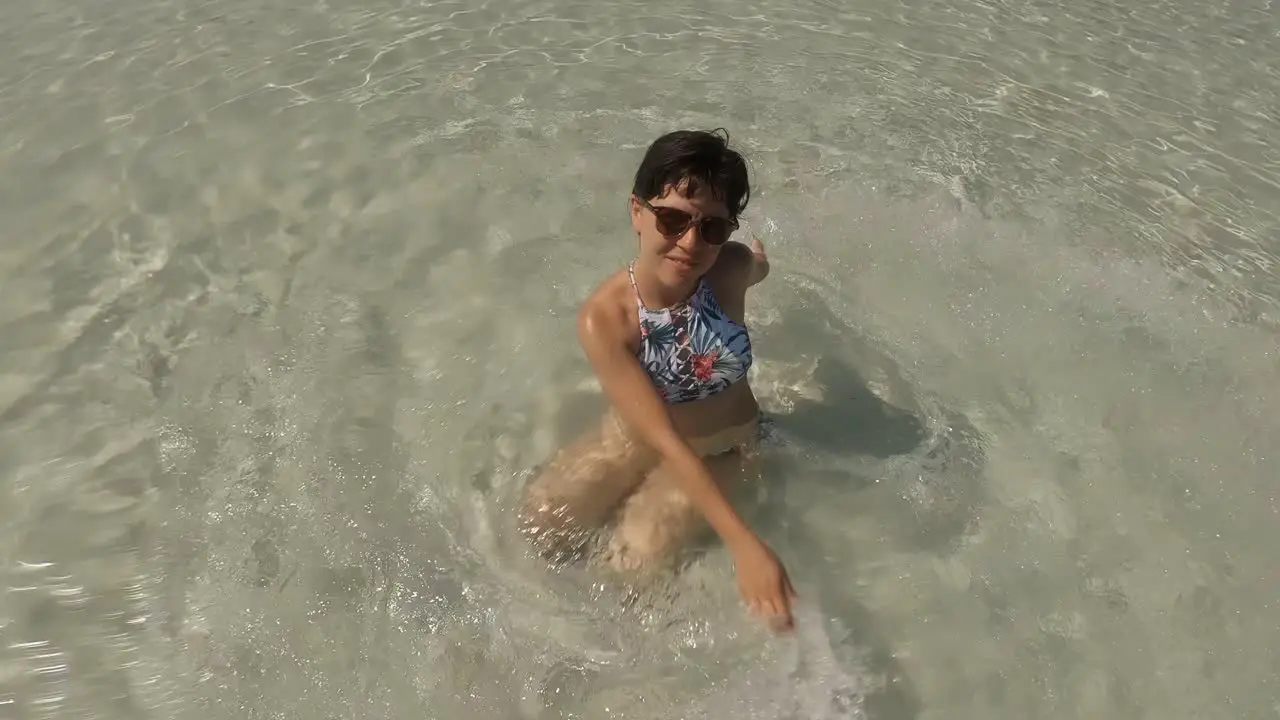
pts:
[693, 350]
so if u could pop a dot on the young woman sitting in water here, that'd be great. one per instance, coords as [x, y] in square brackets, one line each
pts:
[667, 340]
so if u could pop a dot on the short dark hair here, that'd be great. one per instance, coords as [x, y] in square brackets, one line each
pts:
[690, 159]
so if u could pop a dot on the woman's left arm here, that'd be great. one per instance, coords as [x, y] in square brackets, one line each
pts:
[759, 262]
[747, 265]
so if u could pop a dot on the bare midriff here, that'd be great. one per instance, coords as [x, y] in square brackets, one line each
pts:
[711, 426]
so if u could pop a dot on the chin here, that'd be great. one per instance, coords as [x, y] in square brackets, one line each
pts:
[679, 272]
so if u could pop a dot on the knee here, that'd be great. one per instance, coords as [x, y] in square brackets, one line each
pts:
[641, 547]
[626, 558]
[655, 530]
[538, 514]
[549, 528]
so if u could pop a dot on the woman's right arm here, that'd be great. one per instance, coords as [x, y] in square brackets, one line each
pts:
[761, 578]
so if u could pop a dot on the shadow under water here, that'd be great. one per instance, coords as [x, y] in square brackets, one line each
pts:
[851, 418]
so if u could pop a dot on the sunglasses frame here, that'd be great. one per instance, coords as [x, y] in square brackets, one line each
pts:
[698, 219]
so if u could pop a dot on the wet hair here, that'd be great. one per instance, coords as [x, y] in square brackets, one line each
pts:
[691, 159]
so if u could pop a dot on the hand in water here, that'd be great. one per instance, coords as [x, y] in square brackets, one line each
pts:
[757, 247]
[764, 584]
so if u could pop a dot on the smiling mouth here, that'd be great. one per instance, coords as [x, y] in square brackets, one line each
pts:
[681, 262]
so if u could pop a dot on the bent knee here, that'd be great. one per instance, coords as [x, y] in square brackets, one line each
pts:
[642, 553]
[637, 555]
[551, 529]
[645, 541]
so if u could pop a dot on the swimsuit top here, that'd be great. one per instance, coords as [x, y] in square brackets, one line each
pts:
[693, 350]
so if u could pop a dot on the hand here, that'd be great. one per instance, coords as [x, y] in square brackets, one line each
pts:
[757, 247]
[764, 584]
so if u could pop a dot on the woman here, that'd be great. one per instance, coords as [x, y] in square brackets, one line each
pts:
[667, 340]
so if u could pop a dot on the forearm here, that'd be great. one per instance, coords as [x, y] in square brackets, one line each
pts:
[759, 267]
[639, 407]
[700, 486]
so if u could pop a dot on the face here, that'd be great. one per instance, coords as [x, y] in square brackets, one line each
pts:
[682, 236]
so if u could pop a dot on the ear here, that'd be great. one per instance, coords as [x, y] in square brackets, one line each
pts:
[634, 207]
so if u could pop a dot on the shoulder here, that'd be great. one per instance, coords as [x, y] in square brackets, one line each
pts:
[606, 314]
[738, 264]
[737, 268]
[734, 258]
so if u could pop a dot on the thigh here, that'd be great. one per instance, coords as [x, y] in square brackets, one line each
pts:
[584, 482]
[659, 519]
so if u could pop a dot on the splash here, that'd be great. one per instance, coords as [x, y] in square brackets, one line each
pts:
[805, 681]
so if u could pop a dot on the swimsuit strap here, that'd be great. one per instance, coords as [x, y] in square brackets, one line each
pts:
[692, 350]
[700, 290]
[631, 275]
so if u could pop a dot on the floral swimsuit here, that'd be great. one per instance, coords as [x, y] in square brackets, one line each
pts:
[693, 350]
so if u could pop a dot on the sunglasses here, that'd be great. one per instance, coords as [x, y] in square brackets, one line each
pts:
[674, 223]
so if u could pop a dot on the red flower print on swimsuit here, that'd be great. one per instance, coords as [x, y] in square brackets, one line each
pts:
[703, 364]
[692, 350]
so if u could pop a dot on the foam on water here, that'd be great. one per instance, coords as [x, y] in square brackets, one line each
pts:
[806, 682]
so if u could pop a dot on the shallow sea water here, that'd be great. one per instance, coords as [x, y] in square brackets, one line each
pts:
[286, 315]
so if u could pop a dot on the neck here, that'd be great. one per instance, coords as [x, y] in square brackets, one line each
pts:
[654, 294]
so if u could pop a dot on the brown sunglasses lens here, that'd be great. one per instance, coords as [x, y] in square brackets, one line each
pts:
[673, 222]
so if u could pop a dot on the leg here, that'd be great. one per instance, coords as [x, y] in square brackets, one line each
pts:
[659, 520]
[579, 488]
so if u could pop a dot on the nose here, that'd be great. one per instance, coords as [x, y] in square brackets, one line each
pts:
[691, 238]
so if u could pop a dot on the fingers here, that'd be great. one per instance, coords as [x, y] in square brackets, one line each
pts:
[784, 623]
[780, 614]
[775, 609]
[765, 606]
[767, 591]
[784, 603]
